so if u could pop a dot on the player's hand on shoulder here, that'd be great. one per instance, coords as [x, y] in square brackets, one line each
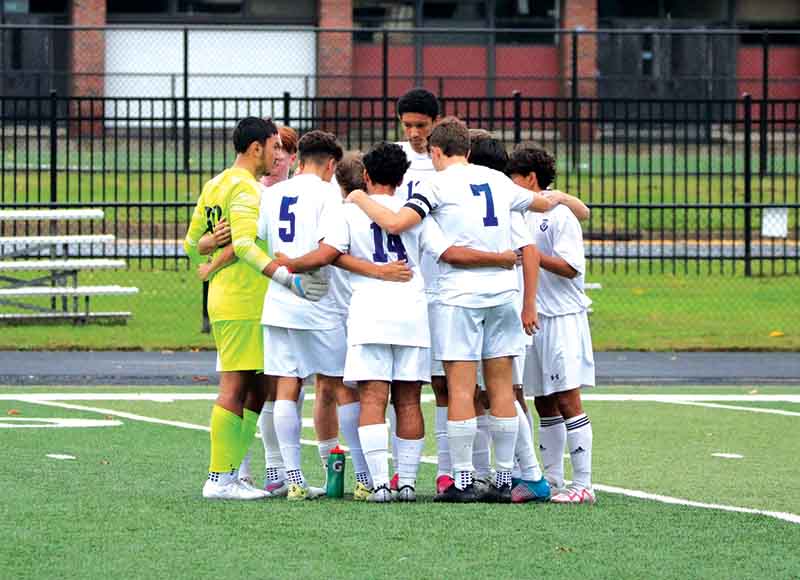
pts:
[554, 196]
[509, 258]
[397, 271]
[355, 195]
[222, 233]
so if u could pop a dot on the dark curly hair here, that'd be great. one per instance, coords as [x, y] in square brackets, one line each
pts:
[350, 172]
[386, 163]
[486, 150]
[528, 158]
[418, 101]
[318, 147]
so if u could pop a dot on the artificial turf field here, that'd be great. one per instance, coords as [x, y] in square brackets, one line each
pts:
[127, 505]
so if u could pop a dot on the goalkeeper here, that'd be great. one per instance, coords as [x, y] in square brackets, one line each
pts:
[236, 294]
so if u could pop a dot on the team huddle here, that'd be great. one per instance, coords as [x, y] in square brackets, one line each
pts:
[440, 260]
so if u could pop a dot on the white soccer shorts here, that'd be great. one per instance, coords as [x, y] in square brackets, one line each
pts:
[461, 334]
[387, 362]
[517, 372]
[289, 352]
[561, 357]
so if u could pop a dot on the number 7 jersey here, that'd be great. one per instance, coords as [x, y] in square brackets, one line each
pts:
[384, 312]
[294, 216]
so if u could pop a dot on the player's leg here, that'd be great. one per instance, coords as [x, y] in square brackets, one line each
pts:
[391, 414]
[326, 422]
[374, 435]
[531, 485]
[552, 440]
[444, 469]
[482, 448]
[579, 444]
[503, 423]
[253, 404]
[349, 411]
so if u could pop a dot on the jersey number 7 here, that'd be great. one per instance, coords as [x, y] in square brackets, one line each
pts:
[477, 190]
[393, 243]
[287, 234]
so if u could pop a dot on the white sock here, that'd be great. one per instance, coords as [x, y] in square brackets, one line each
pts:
[579, 443]
[348, 425]
[375, 444]
[552, 440]
[273, 460]
[461, 437]
[393, 434]
[444, 467]
[529, 417]
[504, 437]
[409, 453]
[325, 452]
[516, 473]
[287, 430]
[524, 450]
[301, 397]
[244, 467]
[481, 452]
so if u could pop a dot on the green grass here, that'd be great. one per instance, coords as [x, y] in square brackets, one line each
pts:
[129, 506]
[632, 312]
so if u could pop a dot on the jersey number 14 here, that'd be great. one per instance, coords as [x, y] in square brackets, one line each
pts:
[393, 243]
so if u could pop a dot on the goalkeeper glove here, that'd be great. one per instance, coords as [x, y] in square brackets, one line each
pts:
[311, 285]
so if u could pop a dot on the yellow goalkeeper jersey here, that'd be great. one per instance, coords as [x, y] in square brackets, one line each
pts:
[236, 292]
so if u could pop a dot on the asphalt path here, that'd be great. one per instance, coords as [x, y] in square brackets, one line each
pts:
[21, 368]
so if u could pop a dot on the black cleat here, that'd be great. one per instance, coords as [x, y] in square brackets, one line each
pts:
[496, 494]
[454, 495]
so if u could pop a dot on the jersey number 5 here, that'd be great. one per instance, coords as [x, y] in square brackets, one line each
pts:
[287, 234]
[477, 190]
[393, 243]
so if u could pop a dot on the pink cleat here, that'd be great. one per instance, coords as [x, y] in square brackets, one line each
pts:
[443, 482]
[394, 483]
[575, 495]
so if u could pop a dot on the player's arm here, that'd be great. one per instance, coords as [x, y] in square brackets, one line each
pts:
[244, 217]
[530, 277]
[211, 242]
[463, 257]
[197, 227]
[397, 271]
[558, 266]
[392, 222]
[313, 260]
[224, 258]
[579, 209]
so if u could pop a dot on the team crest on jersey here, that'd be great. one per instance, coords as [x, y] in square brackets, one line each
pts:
[543, 225]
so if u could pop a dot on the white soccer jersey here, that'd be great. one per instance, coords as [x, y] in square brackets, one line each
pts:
[384, 312]
[293, 217]
[473, 205]
[558, 233]
[420, 171]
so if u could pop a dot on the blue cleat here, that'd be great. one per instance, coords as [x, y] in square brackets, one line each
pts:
[526, 491]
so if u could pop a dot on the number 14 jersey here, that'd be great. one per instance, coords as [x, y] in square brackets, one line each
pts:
[384, 312]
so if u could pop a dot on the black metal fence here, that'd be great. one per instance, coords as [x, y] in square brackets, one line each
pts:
[673, 184]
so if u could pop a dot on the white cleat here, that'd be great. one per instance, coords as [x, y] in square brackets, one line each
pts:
[230, 488]
[406, 493]
[249, 487]
[381, 495]
[277, 488]
[316, 492]
[555, 486]
[574, 494]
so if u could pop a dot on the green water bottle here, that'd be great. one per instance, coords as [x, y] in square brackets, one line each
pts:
[335, 484]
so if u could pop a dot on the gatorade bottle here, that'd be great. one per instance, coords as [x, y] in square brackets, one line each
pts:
[335, 484]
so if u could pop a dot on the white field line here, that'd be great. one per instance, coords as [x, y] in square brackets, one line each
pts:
[735, 408]
[785, 516]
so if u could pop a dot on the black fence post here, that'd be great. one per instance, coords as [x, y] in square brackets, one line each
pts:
[385, 83]
[762, 124]
[748, 193]
[573, 127]
[517, 116]
[287, 108]
[206, 322]
[186, 135]
[53, 147]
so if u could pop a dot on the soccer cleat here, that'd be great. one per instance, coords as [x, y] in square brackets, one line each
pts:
[276, 488]
[482, 484]
[496, 494]
[230, 489]
[298, 493]
[454, 495]
[574, 494]
[361, 492]
[555, 486]
[443, 482]
[247, 480]
[394, 482]
[526, 491]
[316, 492]
[381, 495]
[406, 493]
[241, 482]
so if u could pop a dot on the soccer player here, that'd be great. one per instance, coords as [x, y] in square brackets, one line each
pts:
[233, 297]
[476, 319]
[560, 360]
[388, 347]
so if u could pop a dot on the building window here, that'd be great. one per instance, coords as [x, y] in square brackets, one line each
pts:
[530, 14]
[302, 12]
[372, 14]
